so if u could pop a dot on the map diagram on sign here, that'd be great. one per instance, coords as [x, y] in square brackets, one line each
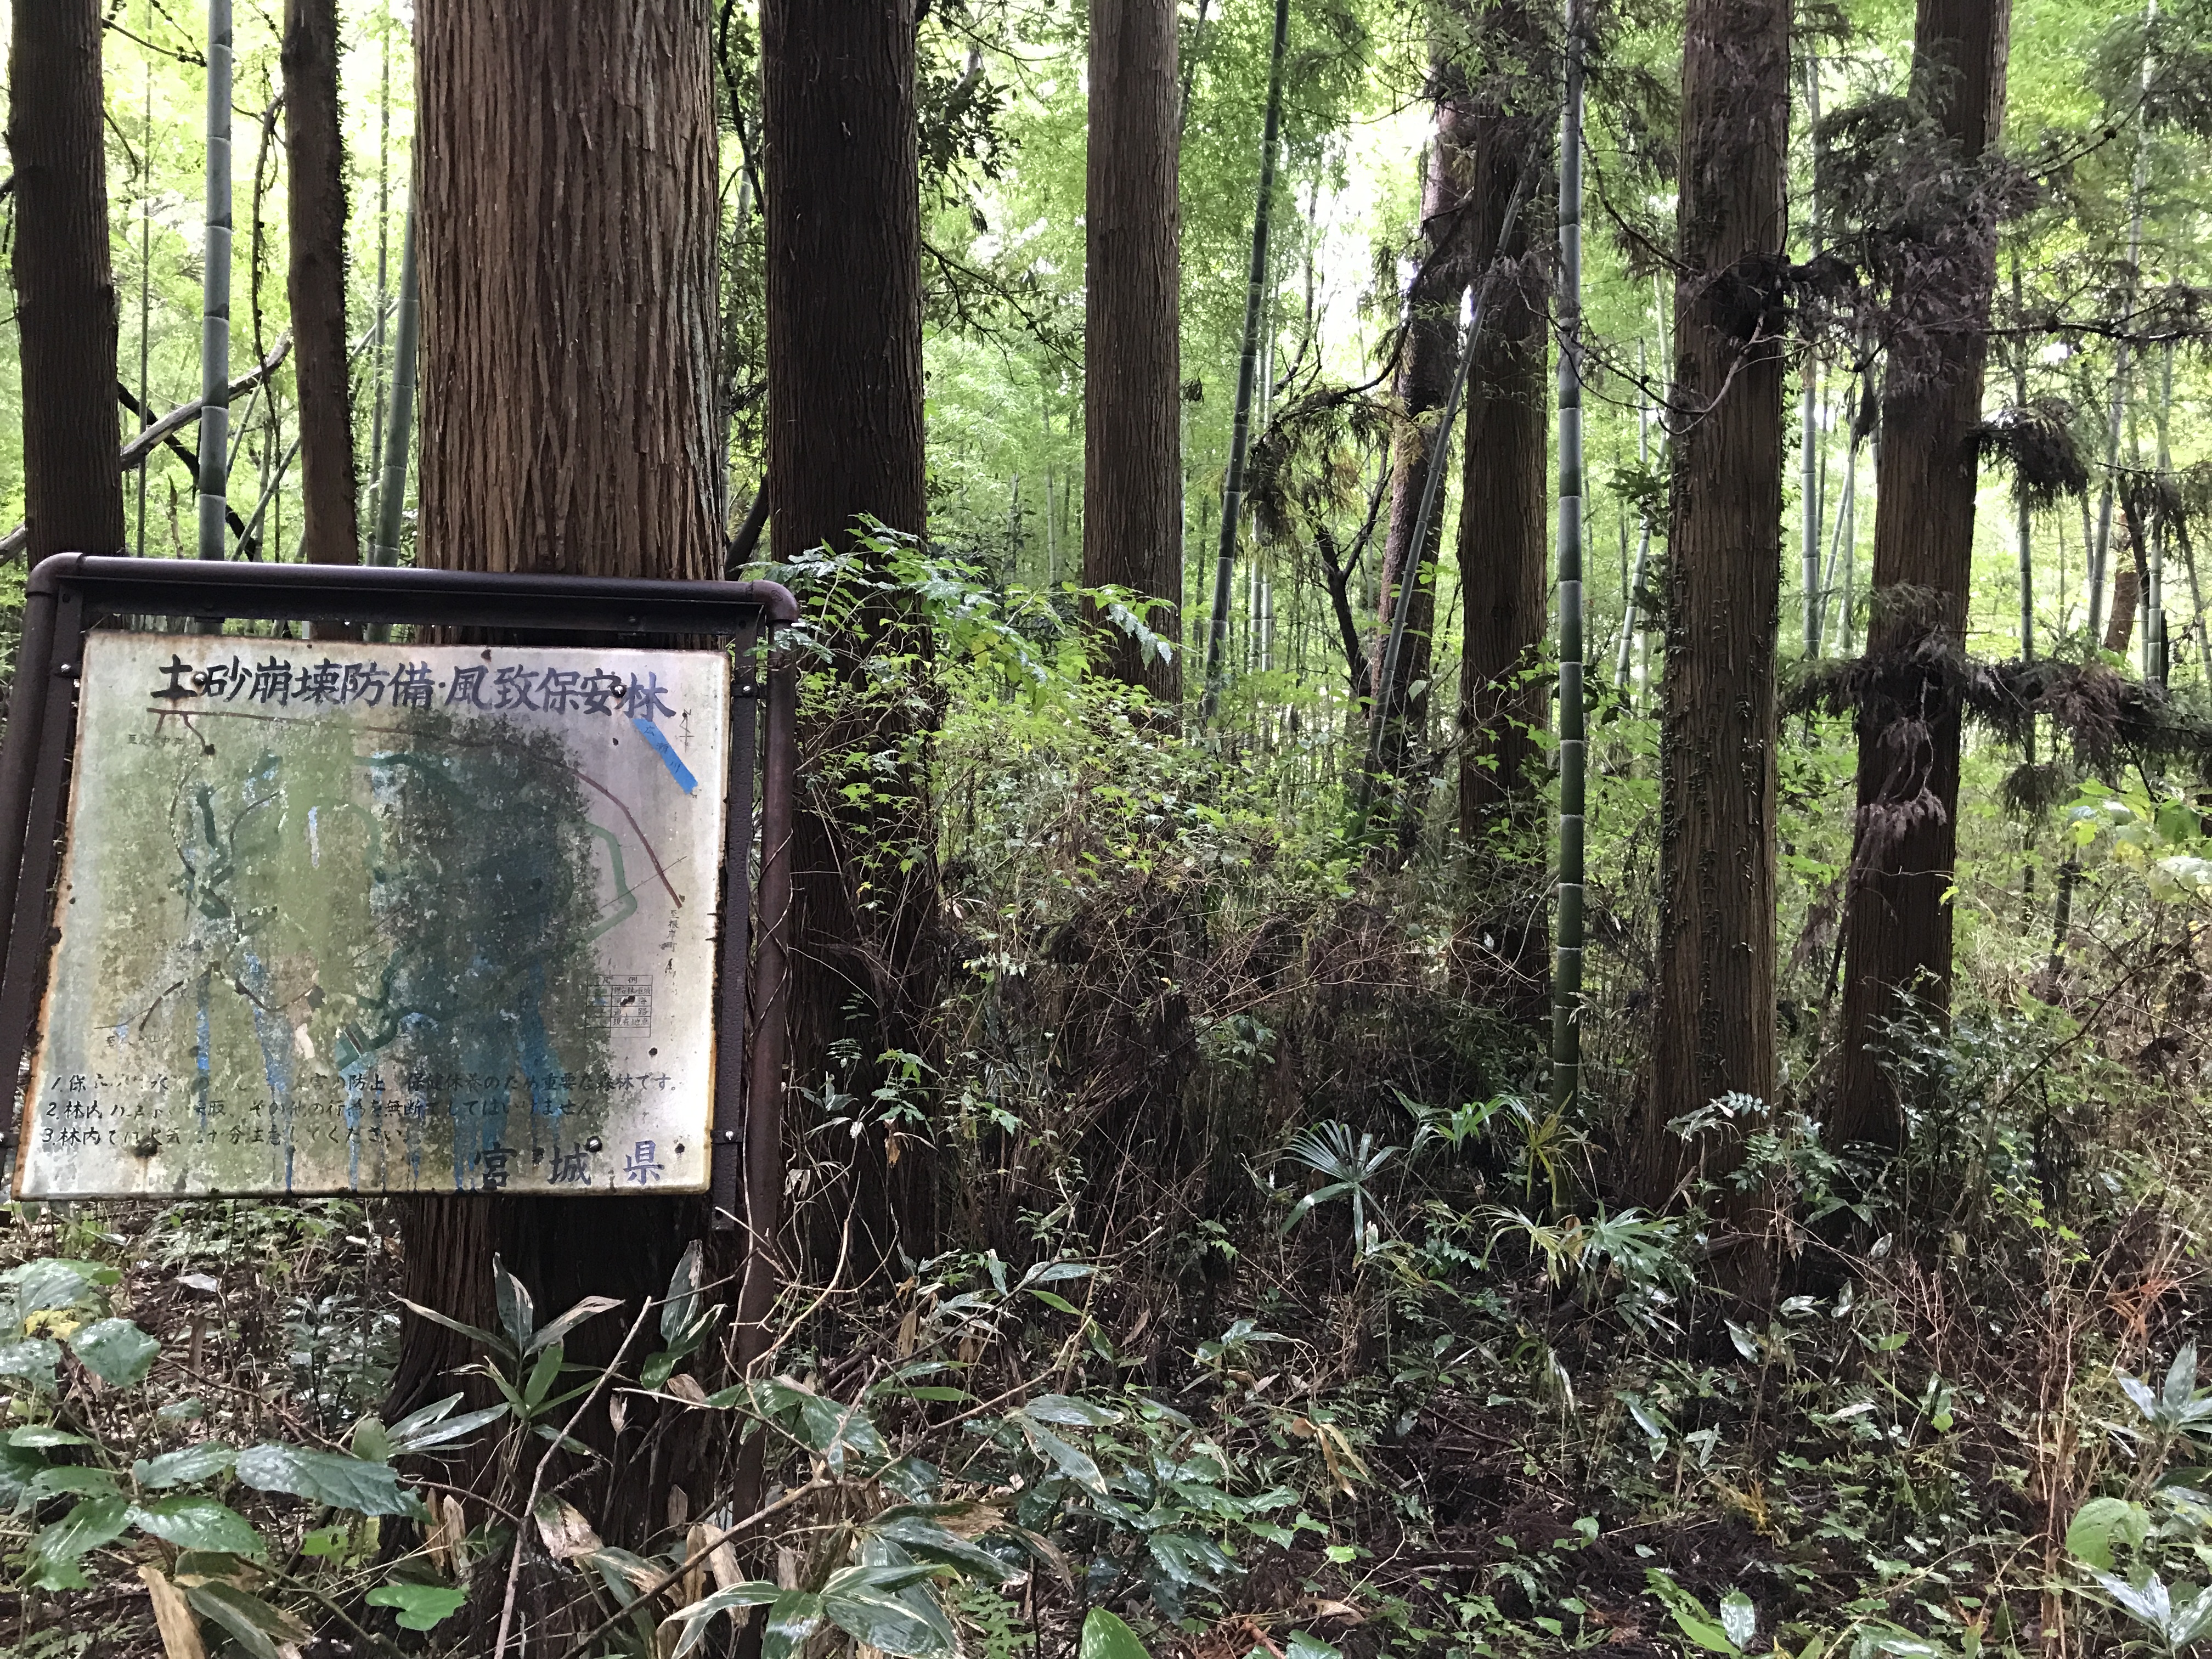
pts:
[383, 918]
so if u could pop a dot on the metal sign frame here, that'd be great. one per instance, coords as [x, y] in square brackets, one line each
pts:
[69, 592]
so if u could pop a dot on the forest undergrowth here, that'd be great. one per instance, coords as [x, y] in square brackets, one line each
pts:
[1258, 1299]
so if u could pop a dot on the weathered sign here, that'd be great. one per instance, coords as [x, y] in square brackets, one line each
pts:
[339, 917]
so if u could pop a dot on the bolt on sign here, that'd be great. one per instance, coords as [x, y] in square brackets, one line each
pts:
[335, 917]
[358, 917]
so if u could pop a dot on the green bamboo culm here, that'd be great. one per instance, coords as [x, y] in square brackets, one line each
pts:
[1567, 969]
[407, 328]
[1240, 439]
[215, 295]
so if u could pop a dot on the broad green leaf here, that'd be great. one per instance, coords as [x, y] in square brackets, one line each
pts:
[1058, 1303]
[198, 1523]
[418, 1421]
[925, 1540]
[1689, 1614]
[518, 1314]
[625, 1573]
[2148, 1603]
[1303, 1645]
[659, 1368]
[680, 1311]
[18, 1469]
[698, 1618]
[55, 1551]
[590, 1308]
[202, 1461]
[793, 1619]
[2181, 1378]
[2100, 1520]
[36, 1436]
[421, 1606]
[50, 1283]
[1187, 1558]
[445, 1431]
[1062, 1409]
[2191, 1623]
[263, 1631]
[332, 1477]
[33, 1358]
[72, 1477]
[866, 1602]
[1107, 1636]
[1052, 1273]
[115, 1351]
[371, 1440]
[475, 1333]
[539, 1383]
[1077, 1466]
[1739, 1619]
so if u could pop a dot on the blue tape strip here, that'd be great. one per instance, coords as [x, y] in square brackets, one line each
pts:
[674, 761]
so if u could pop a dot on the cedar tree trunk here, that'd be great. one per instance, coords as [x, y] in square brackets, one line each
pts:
[1897, 928]
[567, 180]
[1502, 515]
[1430, 353]
[1502, 557]
[843, 222]
[314, 154]
[1131, 448]
[1713, 1023]
[64, 287]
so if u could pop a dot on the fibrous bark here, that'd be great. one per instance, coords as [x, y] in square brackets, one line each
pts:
[843, 223]
[1502, 507]
[1131, 460]
[567, 188]
[1713, 1018]
[567, 183]
[1898, 926]
[1429, 354]
[65, 303]
[314, 154]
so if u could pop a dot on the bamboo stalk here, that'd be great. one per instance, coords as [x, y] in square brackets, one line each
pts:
[391, 494]
[2116, 416]
[2156, 663]
[1809, 409]
[215, 293]
[1567, 970]
[145, 265]
[1232, 489]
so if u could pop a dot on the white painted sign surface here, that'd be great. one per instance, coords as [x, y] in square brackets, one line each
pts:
[383, 918]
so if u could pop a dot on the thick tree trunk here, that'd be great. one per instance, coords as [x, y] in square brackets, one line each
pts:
[65, 305]
[1502, 550]
[1424, 375]
[1132, 460]
[843, 221]
[314, 154]
[1713, 1021]
[1503, 558]
[566, 167]
[568, 180]
[1897, 928]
